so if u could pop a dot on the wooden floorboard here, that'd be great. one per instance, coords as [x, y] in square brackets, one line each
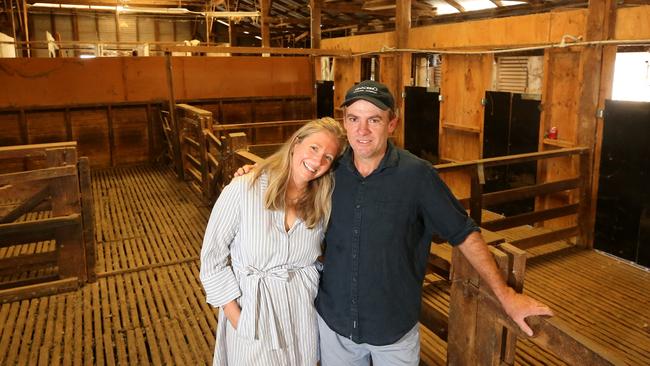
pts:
[147, 306]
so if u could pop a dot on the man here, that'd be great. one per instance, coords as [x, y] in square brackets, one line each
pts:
[386, 206]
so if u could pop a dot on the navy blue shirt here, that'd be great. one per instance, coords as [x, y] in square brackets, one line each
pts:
[377, 245]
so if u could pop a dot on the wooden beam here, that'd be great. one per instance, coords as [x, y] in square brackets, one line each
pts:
[132, 3]
[21, 151]
[545, 238]
[403, 59]
[37, 230]
[519, 193]
[530, 218]
[271, 50]
[38, 290]
[26, 29]
[25, 262]
[510, 159]
[315, 25]
[456, 5]
[600, 25]
[26, 206]
[39, 174]
[87, 216]
[66, 201]
[315, 33]
[506, 11]
[265, 7]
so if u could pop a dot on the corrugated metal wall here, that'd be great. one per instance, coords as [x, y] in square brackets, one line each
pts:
[104, 27]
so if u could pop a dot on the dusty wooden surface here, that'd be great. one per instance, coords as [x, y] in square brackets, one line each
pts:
[147, 306]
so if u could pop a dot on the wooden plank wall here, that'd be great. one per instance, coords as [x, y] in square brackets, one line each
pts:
[461, 113]
[109, 135]
[110, 105]
[69, 81]
[564, 95]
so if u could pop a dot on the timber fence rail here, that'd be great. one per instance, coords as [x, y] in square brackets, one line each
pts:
[577, 183]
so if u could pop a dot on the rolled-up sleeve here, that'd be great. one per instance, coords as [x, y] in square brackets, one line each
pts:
[216, 275]
[443, 211]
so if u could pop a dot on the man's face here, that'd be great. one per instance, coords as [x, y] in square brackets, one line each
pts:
[368, 128]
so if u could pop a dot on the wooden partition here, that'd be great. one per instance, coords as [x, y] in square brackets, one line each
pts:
[576, 184]
[110, 106]
[201, 149]
[46, 222]
[481, 333]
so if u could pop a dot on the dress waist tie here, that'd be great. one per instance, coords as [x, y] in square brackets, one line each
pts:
[258, 304]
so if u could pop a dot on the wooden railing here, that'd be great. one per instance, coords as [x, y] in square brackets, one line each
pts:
[481, 333]
[478, 200]
[206, 153]
[60, 190]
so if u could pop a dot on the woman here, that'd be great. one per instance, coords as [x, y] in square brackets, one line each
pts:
[271, 224]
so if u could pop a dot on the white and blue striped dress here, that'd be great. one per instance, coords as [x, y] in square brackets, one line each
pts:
[271, 274]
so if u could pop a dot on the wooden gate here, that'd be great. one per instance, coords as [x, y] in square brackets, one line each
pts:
[46, 221]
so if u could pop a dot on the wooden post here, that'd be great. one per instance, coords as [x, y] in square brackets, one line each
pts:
[515, 278]
[461, 341]
[178, 163]
[476, 332]
[232, 33]
[205, 164]
[88, 217]
[265, 8]
[403, 59]
[111, 134]
[26, 29]
[585, 226]
[476, 195]
[597, 65]
[13, 24]
[236, 141]
[66, 201]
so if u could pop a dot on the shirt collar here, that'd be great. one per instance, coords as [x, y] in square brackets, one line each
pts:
[389, 160]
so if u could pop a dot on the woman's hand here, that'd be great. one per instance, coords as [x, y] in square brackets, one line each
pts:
[244, 170]
[232, 311]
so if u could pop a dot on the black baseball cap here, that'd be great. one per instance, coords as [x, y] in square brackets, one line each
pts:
[372, 91]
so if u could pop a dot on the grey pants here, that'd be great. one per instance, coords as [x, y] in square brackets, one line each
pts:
[336, 350]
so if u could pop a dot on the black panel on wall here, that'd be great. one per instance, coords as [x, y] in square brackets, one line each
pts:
[623, 208]
[511, 126]
[422, 116]
[524, 138]
[324, 98]
[496, 135]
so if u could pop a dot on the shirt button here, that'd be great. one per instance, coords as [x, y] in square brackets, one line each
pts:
[356, 231]
[358, 206]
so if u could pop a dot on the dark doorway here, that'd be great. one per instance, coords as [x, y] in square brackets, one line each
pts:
[623, 208]
[324, 98]
[511, 126]
[422, 116]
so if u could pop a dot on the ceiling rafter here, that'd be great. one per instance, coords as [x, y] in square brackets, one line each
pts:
[456, 5]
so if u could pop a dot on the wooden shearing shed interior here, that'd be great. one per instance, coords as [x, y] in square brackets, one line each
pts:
[121, 122]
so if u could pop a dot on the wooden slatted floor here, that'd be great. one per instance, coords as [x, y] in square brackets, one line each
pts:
[147, 306]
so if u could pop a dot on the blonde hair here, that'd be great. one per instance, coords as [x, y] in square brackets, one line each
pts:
[315, 204]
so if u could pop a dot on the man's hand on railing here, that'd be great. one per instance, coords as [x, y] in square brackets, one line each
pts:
[520, 306]
[244, 170]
